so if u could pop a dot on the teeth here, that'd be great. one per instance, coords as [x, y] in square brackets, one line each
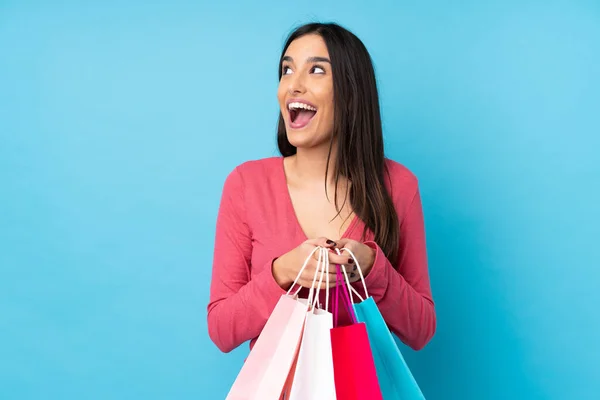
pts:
[297, 105]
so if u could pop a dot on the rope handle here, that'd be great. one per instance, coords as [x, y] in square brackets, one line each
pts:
[362, 278]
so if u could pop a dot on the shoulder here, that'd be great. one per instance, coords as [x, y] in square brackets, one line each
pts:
[259, 168]
[254, 170]
[253, 174]
[401, 181]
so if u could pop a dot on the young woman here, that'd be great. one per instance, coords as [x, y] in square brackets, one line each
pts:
[332, 187]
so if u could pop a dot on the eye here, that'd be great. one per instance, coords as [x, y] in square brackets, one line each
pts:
[317, 69]
[286, 70]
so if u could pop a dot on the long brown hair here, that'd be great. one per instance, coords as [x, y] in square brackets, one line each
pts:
[357, 127]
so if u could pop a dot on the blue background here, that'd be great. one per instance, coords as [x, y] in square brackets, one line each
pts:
[119, 123]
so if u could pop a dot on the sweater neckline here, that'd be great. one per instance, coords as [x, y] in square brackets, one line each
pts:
[292, 211]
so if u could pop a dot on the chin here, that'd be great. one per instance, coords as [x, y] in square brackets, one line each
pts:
[299, 138]
[306, 139]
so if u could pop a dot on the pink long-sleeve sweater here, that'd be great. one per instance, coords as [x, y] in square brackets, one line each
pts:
[256, 223]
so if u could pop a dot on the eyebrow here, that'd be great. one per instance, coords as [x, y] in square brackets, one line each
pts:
[309, 59]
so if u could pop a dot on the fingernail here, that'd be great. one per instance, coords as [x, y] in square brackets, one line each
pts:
[331, 242]
[350, 261]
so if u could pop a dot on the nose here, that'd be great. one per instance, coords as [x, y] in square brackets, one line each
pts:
[296, 86]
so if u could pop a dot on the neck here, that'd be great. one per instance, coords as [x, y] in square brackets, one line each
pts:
[310, 165]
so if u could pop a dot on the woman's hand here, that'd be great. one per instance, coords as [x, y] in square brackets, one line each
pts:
[287, 266]
[364, 255]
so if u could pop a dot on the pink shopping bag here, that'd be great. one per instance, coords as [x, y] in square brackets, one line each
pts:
[264, 375]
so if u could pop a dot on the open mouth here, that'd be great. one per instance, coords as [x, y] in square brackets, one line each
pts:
[300, 114]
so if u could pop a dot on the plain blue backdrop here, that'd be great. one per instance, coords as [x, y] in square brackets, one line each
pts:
[119, 122]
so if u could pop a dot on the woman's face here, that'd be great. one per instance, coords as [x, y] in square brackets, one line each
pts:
[305, 92]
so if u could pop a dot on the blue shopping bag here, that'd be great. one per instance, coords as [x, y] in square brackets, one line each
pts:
[395, 378]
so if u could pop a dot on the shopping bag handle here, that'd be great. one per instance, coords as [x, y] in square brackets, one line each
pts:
[362, 278]
[346, 299]
[323, 259]
[323, 264]
[302, 270]
[313, 293]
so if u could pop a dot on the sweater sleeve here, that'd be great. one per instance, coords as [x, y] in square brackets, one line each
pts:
[239, 306]
[402, 290]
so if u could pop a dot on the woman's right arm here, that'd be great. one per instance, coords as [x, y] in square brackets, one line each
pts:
[239, 306]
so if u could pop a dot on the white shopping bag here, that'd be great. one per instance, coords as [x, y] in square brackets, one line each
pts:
[313, 377]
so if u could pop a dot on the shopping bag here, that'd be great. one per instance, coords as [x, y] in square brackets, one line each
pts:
[353, 365]
[395, 378]
[313, 377]
[265, 372]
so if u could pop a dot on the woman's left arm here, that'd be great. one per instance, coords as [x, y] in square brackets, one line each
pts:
[401, 290]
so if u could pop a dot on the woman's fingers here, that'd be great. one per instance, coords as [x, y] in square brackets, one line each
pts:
[321, 282]
[322, 241]
[323, 285]
[322, 273]
[347, 263]
[341, 259]
[317, 254]
[316, 271]
[343, 262]
[334, 258]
